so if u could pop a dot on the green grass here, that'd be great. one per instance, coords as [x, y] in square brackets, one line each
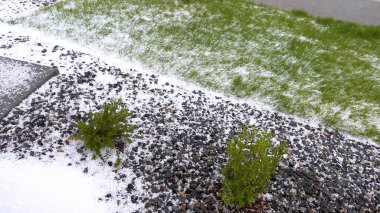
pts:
[305, 66]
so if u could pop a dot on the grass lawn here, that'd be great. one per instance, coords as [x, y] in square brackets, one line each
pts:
[305, 66]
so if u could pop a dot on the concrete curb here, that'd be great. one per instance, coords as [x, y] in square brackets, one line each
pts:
[9, 101]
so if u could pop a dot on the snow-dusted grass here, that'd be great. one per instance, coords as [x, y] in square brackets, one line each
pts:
[302, 65]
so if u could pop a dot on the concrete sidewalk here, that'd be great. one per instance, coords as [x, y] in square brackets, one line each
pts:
[359, 11]
[18, 79]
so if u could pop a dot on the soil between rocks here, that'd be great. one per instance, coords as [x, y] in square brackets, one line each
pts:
[184, 139]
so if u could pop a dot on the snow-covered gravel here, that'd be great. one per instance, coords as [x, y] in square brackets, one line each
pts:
[11, 9]
[174, 167]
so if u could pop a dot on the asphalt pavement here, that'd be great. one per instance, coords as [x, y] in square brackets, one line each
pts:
[358, 11]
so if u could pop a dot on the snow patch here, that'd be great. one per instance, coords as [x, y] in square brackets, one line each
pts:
[70, 5]
[33, 186]
[105, 78]
[241, 70]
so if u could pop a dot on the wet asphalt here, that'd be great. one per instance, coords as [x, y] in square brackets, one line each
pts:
[359, 11]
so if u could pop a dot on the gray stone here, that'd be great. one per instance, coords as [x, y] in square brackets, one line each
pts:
[18, 79]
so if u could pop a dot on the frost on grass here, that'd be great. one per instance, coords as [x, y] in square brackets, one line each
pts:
[301, 65]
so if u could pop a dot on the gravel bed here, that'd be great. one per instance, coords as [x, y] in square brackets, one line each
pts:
[10, 9]
[184, 131]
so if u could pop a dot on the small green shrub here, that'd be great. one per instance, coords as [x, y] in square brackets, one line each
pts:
[104, 126]
[252, 160]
